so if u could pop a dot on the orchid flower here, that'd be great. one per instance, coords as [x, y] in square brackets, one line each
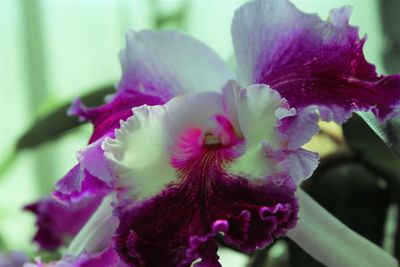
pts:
[185, 150]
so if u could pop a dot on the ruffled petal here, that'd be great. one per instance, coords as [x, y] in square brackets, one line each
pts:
[77, 185]
[92, 176]
[106, 118]
[181, 189]
[301, 163]
[169, 63]
[259, 111]
[178, 225]
[299, 129]
[156, 66]
[58, 222]
[147, 143]
[310, 61]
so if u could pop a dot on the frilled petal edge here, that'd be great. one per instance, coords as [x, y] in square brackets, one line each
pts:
[311, 62]
[179, 223]
[58, 221]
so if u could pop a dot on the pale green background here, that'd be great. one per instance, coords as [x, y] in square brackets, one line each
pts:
[55, 50]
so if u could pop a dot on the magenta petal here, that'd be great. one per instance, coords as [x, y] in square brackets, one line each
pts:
[89, 186]
[72, 181]
[90, 177]
[106, 258]
[57, 222]
[106, 118]
[310, 61]
[178, 225]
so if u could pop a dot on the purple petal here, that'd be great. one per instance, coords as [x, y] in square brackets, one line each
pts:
[12, 259]
[156, 66]
[310, 61]
[178, 224]
[106, 118]
[57, 222]
[77, 185]
[88, 178]
[168, 63]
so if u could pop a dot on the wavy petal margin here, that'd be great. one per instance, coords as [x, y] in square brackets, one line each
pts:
[182, 166]
[179, 224]
[57, 222]
[311, 62]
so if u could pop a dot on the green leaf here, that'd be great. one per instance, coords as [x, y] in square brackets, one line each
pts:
[373, 142]
[53, 125]
[388, 131]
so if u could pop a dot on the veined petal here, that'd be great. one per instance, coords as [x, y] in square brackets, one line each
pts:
[139, 154]
[301, 163]
[259, 111]
[169, 63]
[178, 225]
[301, 128]
[148, 142]
[332, 243]
[175, 163]
[106, 118]
[77, 185]
[156, 66]
[310, 61]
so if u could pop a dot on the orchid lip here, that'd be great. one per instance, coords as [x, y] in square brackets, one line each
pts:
[218, 130]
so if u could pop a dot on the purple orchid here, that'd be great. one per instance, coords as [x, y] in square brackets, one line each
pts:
[182, 152]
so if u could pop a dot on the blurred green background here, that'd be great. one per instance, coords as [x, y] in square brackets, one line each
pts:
[52, 51]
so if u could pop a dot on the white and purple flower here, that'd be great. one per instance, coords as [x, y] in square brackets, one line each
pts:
[184, 152]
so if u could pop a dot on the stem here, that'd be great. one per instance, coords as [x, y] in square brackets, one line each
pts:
[331, 242]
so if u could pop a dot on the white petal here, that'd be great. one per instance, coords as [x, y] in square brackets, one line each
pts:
[301, 163]
[259, 109]
[138, 153]
[169, 63]
[190, 111]
[146, 143]
[97, 232]
[331, 242]
[230, 105]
